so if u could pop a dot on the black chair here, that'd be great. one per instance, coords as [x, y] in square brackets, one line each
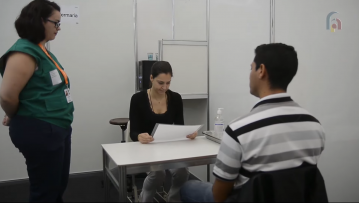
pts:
[302, 184]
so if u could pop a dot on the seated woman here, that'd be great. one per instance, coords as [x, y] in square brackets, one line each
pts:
[158, 105]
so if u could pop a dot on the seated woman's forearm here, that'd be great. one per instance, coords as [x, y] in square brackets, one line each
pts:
[134, 136]
[10, 106]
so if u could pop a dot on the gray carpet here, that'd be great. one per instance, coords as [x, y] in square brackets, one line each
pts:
[81, 188]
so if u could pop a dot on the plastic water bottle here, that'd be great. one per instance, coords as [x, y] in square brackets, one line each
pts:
[219, 124]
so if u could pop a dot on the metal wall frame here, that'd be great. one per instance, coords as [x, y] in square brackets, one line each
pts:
[173, 19]
[208, 54]
[135, 42]
[272, 22]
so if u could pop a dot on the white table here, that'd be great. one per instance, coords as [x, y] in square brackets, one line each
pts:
[134, 157]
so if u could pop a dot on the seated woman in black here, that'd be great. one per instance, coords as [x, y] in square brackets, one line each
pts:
[158, 105]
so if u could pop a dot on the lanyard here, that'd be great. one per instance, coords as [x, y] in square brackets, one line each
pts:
[57, 65]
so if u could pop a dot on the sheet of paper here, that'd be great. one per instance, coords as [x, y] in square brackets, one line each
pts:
[70, 14]
[168, 133]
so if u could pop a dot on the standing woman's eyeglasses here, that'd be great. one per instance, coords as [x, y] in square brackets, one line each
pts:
[57, 24]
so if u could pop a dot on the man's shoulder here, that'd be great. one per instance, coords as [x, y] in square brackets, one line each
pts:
[269, 116]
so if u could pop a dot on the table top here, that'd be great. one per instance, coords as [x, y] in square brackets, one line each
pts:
[134, 153]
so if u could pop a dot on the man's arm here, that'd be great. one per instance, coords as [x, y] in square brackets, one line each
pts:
[221, 190]
[228, 164]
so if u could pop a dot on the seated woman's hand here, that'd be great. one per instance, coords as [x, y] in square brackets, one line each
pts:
[145, 138]
[192, 136]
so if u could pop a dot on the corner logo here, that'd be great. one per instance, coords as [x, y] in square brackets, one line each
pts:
[333, 23]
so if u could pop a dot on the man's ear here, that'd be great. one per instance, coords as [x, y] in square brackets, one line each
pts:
[262, 71]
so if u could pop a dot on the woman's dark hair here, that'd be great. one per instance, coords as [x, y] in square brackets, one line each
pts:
[161, 67]
[29, 25]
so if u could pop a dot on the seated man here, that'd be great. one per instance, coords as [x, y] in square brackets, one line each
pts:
[277, 134]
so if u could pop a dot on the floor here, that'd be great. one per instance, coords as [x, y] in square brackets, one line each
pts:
[81, 188]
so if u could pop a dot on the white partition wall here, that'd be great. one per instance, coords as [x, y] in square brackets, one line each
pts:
[326, 83]
[236, 28]
[190, 20]
[154, 22]
[98, 55]
[12, 163]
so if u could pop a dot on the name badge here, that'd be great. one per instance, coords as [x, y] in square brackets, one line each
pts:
[55, 77]
[68, 95]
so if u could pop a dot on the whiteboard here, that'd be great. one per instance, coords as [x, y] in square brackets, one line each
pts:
[190, 69]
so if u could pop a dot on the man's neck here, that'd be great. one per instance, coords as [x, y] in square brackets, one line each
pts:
[155, 95]
[270, 92]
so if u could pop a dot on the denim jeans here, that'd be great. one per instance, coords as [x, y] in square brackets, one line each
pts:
[197, 191]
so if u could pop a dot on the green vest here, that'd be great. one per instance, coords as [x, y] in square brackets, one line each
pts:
[42, 98]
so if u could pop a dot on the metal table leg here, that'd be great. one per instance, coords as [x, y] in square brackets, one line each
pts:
[122, 188]
[134, 187]
[208, 173]
[105, 178]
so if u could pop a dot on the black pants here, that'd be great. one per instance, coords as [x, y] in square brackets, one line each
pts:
[47, 151]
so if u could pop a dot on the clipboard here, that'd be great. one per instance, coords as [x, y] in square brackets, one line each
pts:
[211, 136]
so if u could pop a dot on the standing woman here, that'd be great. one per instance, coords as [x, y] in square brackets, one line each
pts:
[35, 95]
[158, 105]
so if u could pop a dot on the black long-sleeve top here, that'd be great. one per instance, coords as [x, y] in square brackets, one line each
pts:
[143, 119]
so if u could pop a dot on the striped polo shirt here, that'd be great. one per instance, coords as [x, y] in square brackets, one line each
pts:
[277, 134]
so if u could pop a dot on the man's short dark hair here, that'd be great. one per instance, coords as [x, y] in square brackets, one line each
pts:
[29, 25]
[281, 63]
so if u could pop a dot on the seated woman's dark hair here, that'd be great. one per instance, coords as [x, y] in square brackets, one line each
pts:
[29, 25]
[161, 67]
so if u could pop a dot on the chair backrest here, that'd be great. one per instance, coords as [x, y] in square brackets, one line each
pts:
[127, 134]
